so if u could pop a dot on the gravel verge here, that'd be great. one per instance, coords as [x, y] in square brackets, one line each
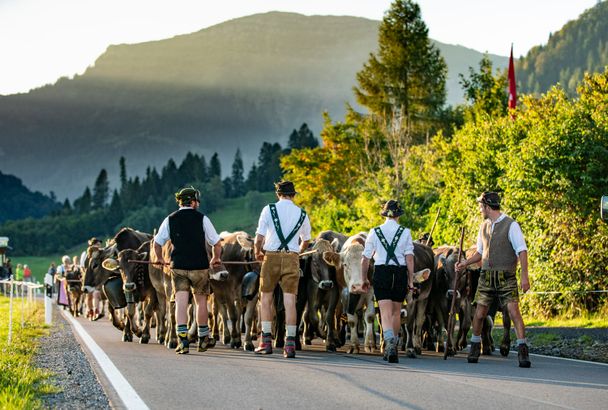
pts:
[572, 343]
[61, 354]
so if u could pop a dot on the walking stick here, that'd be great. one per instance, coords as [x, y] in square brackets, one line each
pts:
[452, 314]
[428, 240]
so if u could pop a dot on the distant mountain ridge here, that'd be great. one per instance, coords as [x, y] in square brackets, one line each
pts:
[233, 85]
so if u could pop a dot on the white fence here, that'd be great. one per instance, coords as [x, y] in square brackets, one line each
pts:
[26, 291]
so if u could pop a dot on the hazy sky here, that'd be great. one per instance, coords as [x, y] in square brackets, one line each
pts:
[42, 40]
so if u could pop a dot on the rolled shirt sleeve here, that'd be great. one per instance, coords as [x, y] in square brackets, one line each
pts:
[369, 249]
[210, 233]
[409, 243]
[262, 228]
[162, 236]
[305, 230]
[516, 237]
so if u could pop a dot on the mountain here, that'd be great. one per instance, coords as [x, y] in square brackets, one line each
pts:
[233, 85]
[578, 47]
[18, 202]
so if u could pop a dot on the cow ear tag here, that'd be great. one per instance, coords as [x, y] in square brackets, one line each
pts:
[110, 264]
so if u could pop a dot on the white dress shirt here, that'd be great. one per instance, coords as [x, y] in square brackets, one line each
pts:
[289, 214]
[373, 246]
[164, 235]
[516, 236]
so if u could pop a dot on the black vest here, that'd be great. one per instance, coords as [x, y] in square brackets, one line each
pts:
[188, 238]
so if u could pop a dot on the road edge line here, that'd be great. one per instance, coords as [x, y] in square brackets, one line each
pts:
[119, 383]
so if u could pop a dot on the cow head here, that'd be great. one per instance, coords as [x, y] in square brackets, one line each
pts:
[348, 263]
[322, 272]
[95, 274]
[131, 271]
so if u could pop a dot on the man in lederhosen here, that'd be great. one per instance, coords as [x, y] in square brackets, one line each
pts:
[500, 244]
[391, 246]
[188, 230]
[276, 244]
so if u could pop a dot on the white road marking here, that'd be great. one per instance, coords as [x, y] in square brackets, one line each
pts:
[125, 391]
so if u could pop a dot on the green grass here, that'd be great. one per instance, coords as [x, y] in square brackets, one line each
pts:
[241, 214]
[543, 338]
[585, 321]
[21, 384]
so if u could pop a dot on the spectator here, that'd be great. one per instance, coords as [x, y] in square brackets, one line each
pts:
[19, 272]
[60, 278]
[27, 274]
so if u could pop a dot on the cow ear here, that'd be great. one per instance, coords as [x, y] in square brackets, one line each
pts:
[245, 241]
[332, 258]
[110, 264]
[441, 262]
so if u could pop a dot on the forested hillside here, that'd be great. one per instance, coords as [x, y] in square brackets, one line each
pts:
[580, 47]
[18, 202]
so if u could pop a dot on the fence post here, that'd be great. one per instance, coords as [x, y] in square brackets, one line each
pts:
[22, 306]
[10, 313]
[48, 299]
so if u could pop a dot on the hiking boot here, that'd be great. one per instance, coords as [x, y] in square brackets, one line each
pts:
[522, 355]
[265, 346]
[90, 314]
[204, 343]
[474, 353]
[183, 347]
[391, 351]
[289, 351]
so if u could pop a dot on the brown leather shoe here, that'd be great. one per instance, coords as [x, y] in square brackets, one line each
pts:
[474, 353]
[522, 355]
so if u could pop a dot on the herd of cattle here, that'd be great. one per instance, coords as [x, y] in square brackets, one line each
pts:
[328, 306]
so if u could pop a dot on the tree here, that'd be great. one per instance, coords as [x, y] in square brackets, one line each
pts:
[484, 91]
[303, 138]
[237, 179]
[252, 178]
[123, 173]
[83, 204]
[215, 168]
[269, 166]
[115, 211]
[101, 190]
[404, 84]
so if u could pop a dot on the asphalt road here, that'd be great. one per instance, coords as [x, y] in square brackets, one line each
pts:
[222, 378]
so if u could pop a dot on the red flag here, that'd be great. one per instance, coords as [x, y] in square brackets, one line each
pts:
[512, 91]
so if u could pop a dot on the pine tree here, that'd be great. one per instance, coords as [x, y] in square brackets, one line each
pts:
[123, 173]
[83, 204]
[115, 212]
[101, 190]
[303, 138]
[215, 168]
[269, 166]
[237, 179]
[403, 85]
[252, 178]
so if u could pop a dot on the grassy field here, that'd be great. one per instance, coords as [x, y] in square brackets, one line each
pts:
[21, 384]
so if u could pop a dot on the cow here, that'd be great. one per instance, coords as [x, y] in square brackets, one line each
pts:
[226, 283]
[109, 279]
[441, 299]
[74, 288]
[97, 276]
[348, 265]
[140, 287]
[323, 290]
[417, 303]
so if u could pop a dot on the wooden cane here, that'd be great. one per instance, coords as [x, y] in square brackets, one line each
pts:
[428, 240]
[451, 318]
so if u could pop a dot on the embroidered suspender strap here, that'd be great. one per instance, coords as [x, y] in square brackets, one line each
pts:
[390, 249]
[277, 226]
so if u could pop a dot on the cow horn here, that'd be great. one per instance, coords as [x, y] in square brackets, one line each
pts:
[110, 264]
